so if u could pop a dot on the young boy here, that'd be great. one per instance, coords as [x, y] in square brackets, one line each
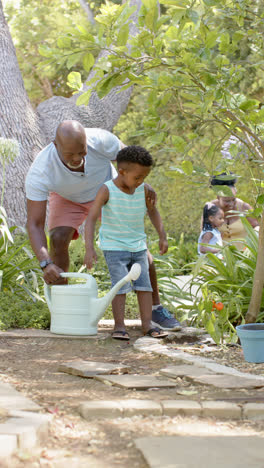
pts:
[122, 237]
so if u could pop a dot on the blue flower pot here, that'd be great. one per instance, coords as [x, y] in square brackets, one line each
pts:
[252, 341]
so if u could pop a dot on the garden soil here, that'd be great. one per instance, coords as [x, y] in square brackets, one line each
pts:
[31, 366]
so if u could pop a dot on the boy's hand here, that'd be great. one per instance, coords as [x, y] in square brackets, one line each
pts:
[163, 246]
[89, 258]
[151, 196]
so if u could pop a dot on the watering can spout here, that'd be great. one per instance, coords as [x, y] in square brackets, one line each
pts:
[104, 302]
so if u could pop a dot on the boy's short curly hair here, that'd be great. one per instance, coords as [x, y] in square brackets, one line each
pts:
[134, 154]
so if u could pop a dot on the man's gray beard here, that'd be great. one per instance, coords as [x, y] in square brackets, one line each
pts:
[75, 167]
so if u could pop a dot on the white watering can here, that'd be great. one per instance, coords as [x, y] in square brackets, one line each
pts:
[75, 308]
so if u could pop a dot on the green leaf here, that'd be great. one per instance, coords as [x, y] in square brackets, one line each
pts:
[175, 172]
[84, 98]
[211, 39]
[73, 59]
[179, 143]
[224, 42]
[74, 80]
[221, 60]
[45, 51]
[149, 4]
[187, 167]
[88, 61]
[156, 139]
[178, 3]
[260, 199]
[194, 16]
[123, 35]
[249, 104]
[85, 33]
[64, 42]
[212, 2]
[151, 17]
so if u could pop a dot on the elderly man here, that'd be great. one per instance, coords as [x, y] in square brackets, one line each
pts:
[70, 171]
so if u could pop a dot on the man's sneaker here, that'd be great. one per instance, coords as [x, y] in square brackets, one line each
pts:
[162, 318]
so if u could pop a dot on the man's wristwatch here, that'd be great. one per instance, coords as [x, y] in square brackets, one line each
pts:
[45, 263]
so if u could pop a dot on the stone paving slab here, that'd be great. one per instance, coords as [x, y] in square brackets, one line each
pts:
[253, 411]
[24, 426]
[181, 407]
[133, 407]
[221, 409]
[11, 399]
[138, 382]
[89, 369]
[116, 409]
[185, 371]
[202, 452]
[100, 409]
[8, 445]
[28, 428]
[150, 345]
[227, 381]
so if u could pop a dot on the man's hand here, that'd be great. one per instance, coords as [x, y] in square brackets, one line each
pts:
[151, 196]
[163, 246]
[51, 274]
[90, 258]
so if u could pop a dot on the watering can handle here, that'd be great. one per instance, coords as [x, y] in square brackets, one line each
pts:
[76, 275]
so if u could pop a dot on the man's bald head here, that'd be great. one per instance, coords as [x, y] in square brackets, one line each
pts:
[70, 142]
[69, 130]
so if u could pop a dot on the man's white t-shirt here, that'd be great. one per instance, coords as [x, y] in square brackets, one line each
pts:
[48, 174]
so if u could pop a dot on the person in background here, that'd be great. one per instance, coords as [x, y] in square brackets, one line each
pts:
[213, 219]
[123, 203]
[70, 171]
[232, 230]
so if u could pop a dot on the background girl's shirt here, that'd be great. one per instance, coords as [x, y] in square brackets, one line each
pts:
[122, 223]
[216, 240]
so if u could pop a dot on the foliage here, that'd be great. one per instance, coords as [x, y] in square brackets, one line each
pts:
[45, 20]
[190, 57]
[178, 258]
[19, 272]
[228, 281]
[21, 312]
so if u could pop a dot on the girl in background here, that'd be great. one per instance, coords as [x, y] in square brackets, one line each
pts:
[213, 219]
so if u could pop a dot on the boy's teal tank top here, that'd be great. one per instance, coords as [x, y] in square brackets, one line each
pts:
[122, 224]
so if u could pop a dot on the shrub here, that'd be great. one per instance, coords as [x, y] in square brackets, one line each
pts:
[17, 312]
[228, 281]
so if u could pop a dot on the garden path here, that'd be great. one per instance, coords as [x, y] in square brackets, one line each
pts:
[30, 362]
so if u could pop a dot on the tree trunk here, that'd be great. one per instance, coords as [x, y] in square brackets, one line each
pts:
[258, 281]
[18, 121]
[34, 130]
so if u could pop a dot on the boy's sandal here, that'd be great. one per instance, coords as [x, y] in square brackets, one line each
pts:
[156, 333]
[120, 335]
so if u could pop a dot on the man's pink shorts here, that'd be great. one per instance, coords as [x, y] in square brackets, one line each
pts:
[64, 212]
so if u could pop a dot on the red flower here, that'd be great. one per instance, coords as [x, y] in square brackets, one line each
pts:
[219, 306]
